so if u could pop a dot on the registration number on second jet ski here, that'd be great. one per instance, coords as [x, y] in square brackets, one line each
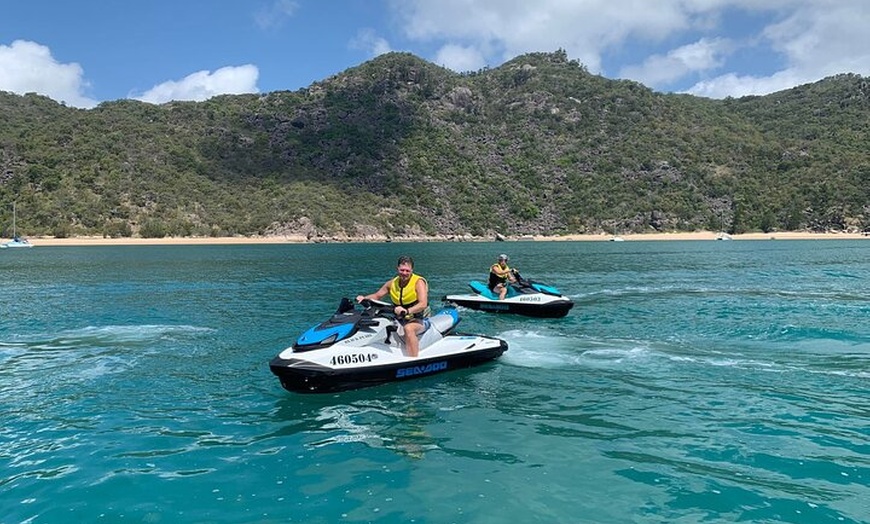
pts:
[353, 358]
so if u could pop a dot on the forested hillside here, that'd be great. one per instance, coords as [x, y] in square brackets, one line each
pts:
[400, 147]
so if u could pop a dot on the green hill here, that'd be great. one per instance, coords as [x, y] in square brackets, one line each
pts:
[399, 146]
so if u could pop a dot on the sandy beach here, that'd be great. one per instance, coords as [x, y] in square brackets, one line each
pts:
[698, 235]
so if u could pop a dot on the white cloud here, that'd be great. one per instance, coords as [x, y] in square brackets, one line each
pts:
[203, 85]
[28, 67]
[459, 58]
[815, 41]
[275, 14]
[733, 84]
[369, 41]
[795, 41]
[657, 70]
[830, 37]
[500, 30]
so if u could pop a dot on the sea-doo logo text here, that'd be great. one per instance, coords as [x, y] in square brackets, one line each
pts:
[421, 370]
[495, 307]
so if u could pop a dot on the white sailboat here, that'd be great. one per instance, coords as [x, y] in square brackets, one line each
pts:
[16, 240]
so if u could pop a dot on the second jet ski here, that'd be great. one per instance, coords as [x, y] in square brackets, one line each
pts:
[524, 297]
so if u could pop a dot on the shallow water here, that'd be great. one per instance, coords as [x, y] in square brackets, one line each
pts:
[693, 382]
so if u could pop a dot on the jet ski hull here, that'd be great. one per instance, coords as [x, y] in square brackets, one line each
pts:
[306, 377]
[528, 307]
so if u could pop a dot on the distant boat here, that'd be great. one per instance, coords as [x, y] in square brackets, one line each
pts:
[723, 236]
[16, 240]
[617, 239]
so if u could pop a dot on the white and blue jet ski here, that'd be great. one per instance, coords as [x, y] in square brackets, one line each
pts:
[362, 345]
[524, 297]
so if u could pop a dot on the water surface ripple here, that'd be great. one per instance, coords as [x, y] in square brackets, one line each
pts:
[693, 382]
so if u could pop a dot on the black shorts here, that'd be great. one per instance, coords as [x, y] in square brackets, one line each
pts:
[495, 280]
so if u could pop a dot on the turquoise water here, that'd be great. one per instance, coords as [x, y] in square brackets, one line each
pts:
[693, 382]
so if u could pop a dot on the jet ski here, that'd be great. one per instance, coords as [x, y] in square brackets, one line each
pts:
[362, 345]
[524, 297]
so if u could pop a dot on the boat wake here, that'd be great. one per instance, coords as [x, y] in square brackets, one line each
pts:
[536, 349]
[102, 336]
[90, 351]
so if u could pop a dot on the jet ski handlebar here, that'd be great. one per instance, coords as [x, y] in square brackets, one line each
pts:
[378, 307]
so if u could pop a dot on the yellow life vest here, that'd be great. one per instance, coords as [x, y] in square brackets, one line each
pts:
[499, 272]
[405, 296]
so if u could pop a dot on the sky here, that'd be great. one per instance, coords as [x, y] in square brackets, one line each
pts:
[84, 52]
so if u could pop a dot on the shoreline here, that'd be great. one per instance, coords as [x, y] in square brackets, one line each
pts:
[300, 239]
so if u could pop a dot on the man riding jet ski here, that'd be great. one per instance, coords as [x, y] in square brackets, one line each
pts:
[364, 345]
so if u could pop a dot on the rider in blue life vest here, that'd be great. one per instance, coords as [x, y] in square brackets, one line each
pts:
[409, 292]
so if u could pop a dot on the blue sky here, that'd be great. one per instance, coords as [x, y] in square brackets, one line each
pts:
[85, 52]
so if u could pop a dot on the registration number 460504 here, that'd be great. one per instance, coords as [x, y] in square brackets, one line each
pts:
[353, 358]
